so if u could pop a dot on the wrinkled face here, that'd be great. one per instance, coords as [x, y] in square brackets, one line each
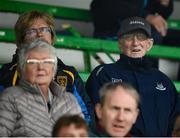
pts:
[72, 131]
[135, 44]
[118, 113]
[39, 68]
[39, 29]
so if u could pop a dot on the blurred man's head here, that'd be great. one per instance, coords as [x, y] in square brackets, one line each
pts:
[70, 126]
[34, 24]
[135, 37]
[118, 108]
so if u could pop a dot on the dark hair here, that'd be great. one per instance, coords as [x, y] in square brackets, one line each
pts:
[67, 120]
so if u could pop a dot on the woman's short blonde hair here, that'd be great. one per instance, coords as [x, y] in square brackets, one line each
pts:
[26, 20]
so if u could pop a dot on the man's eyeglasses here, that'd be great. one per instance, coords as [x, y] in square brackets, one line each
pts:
[43, 61]
[34, 31]
[139, 36]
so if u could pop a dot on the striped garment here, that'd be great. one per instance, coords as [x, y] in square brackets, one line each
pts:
[24, 112]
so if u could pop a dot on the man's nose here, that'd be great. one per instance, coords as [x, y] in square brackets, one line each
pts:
[135, 40]
[120, 116]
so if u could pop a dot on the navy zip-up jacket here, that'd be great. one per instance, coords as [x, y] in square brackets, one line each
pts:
[159, 99]
[66, 76]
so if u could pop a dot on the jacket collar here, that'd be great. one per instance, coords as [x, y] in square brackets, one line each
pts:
[55, 88]
[135, 63]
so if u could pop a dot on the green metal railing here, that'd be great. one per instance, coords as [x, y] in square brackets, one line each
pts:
[86, 54]
[97, 45]
[56, 11]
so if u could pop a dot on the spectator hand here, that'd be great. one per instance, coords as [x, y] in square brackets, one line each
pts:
[158, 22]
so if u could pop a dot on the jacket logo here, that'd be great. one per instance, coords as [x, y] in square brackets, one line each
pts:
[62, 80]
[160, 87]
[114, 80]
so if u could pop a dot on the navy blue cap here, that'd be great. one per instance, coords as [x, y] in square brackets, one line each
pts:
[134, 23]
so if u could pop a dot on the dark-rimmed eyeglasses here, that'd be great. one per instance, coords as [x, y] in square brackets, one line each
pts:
[34, 31]
[139, 36]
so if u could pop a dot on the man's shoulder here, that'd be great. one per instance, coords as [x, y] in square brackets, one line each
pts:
[93, 130]
[63, 67]
[104, 68]
[96, 130]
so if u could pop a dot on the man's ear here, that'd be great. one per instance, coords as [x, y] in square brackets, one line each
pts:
[120, 41]
[98, 109]
[149, 44]
[136, 115]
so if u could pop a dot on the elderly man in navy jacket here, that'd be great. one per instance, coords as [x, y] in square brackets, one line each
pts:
[159, 99]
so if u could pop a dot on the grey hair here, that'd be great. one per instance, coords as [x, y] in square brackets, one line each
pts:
[39, 45]
[111, 86]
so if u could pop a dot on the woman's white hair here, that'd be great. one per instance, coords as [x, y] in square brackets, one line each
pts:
[39, 45]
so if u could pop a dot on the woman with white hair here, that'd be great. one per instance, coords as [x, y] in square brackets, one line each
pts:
[32, 107]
